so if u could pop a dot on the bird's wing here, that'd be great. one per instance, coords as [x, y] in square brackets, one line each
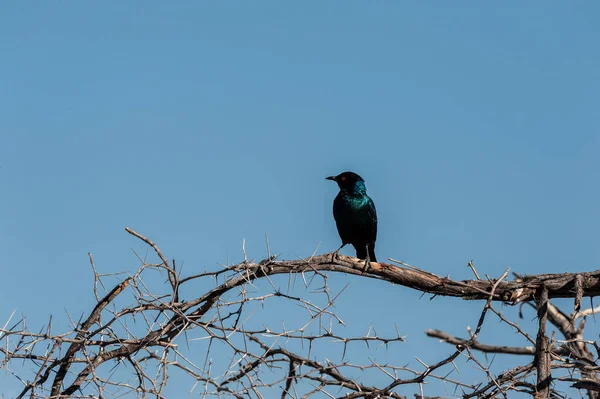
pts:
[341, 220]
[373, 217]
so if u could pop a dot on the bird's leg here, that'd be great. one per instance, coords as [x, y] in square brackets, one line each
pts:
[336, 254]
[367, 260]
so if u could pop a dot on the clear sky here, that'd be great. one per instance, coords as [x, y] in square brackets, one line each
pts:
[475, 125]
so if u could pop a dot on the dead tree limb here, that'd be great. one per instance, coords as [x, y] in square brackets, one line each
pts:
[542, 348]
[146, 336]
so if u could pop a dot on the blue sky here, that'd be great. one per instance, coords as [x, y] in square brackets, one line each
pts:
[475, 126]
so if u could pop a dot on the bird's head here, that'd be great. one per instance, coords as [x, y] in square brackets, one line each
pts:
[350, 182]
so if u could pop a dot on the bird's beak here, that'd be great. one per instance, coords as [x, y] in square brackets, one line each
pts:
[331, 178]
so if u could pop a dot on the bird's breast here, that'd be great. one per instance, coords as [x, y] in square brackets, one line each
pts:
[354, 203]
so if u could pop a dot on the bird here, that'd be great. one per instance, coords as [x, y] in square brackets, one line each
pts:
[355, 216]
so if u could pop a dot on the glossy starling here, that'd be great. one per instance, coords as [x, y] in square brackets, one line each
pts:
[355, 215]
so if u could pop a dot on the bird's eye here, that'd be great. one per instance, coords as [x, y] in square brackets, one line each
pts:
[343, 178]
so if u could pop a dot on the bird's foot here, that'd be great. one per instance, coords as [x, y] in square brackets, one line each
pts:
[367, 262]
[336, 255]
[367, 265]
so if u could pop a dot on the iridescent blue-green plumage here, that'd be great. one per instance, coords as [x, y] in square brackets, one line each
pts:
[355, 215]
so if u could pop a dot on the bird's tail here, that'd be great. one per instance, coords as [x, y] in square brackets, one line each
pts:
[361, 252]
[372, 256]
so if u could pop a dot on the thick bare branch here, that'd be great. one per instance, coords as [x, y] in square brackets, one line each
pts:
[542, 349]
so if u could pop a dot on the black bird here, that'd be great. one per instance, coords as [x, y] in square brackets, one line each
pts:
[355, 215]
